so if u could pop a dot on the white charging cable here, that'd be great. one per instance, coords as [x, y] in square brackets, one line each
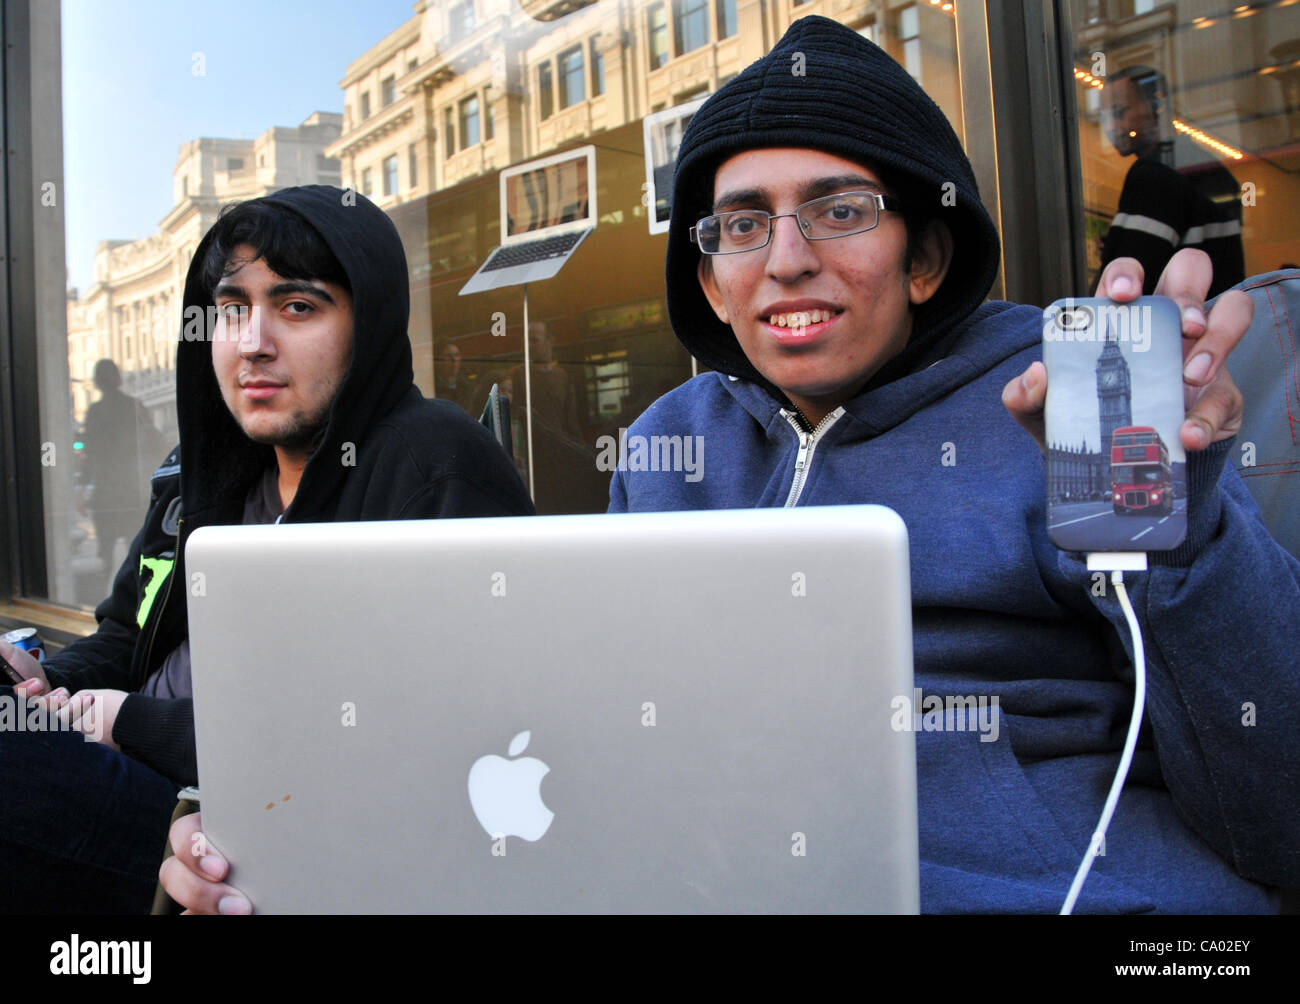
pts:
[1099, 562]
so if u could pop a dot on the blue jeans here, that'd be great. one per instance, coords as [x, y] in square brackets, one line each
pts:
[82, 828]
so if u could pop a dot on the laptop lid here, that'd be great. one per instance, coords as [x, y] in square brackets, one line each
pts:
[548, 206]
[662, 712]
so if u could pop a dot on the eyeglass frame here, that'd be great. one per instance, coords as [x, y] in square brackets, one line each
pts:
[884, 203]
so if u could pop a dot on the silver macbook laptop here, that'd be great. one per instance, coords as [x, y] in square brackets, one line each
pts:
[548, 207]
[664, 712]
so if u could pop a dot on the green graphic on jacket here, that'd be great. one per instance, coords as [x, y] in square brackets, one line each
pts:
[158, 569]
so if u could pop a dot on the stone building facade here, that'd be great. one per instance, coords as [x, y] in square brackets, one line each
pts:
[131, 312]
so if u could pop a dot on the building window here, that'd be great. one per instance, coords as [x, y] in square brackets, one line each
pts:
[727, 18]
[365, 106]
[185, 185]
[909, 34]
[692, 21]
[390, 174]
[489, 120]
[412, 64]
[658, 36]
[469, 122]
[234, 163]
[571, 85]
[460, 20]
[597, 68]
[448, 132]
[387, 91]
[367, 185]
[412, 169]
[544, 89]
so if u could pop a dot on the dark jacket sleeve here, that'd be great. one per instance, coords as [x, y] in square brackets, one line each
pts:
[159, 732]
[103, 660]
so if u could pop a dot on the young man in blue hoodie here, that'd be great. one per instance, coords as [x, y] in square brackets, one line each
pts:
[857, 363]
[843, 313]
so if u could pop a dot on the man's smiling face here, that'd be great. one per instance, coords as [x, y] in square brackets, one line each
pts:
[816, 318]
[280, 350]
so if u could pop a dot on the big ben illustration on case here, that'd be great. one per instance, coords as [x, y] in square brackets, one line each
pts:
[1114, 393]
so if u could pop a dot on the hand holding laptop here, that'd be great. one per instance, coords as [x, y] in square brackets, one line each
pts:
[195, 880]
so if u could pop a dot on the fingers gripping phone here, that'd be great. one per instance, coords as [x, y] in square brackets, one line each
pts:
[1116, 469]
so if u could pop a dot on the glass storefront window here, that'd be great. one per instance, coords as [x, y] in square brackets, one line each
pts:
[463, 91]
[1189, 116]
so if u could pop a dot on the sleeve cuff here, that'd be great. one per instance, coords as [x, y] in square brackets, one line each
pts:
[160, 734]
[1204, 505]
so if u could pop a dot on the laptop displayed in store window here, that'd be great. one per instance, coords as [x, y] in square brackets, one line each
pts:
[548, 207]
[649, 712]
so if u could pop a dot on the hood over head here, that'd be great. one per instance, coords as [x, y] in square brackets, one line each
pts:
[218, 461]
[825, 87]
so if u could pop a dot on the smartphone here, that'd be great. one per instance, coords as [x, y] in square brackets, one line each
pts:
[11, 674]
[1116, 469]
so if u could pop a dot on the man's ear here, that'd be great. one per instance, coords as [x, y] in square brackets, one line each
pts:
[930, 260]
[709, 284]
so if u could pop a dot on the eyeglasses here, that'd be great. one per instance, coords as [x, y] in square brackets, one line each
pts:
[819, 220]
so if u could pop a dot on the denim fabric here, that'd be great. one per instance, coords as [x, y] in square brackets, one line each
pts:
[82, 828]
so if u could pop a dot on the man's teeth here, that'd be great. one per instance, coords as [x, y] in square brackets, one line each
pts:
[799, 318]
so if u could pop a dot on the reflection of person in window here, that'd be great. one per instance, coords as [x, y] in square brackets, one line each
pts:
[122, 447]
[561, 461]
[447, 379]
[1162, 209]
[554, 402]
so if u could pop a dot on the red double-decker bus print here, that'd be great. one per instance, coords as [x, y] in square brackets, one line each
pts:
[1140, 477]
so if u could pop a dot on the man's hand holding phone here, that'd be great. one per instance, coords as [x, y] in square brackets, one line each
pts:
[32, 682]
[1212, 402]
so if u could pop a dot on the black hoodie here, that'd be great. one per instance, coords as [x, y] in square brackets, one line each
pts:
[414, 459]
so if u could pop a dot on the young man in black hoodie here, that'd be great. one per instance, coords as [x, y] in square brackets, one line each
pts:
[296, 404]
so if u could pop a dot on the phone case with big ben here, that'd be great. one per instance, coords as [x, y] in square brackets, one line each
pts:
[1116, 469]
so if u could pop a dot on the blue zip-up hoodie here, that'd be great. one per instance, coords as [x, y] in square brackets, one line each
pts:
[1210, 814]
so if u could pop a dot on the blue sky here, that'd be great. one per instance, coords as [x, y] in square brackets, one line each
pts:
[130, 97]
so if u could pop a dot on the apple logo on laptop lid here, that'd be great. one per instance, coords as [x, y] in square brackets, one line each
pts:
[506, 794]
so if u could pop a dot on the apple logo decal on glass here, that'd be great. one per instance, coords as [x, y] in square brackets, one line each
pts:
[506, 795]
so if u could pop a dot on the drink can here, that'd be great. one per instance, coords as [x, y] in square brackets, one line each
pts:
[28, 640]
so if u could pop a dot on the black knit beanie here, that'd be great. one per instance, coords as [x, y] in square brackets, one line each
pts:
[825, 87]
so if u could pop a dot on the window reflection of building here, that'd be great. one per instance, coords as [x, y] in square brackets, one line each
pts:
[130, 313]
[477, 92]
[571, 87]
[1229, 108]
[658, 36]
[692, 17]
